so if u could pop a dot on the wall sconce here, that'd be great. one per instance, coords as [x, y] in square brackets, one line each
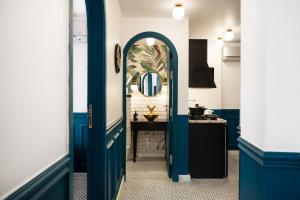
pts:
[178, 11]
[229, 35]
[134, 87]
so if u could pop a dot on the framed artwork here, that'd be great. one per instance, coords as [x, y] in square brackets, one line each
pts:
[117, 58]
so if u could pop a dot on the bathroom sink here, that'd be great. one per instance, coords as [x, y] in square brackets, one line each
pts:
[151, 117]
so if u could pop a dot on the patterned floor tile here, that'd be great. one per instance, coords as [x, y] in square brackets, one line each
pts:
[148, 180]
[80, 182]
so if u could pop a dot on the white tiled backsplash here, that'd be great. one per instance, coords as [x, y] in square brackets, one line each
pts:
[150, 143]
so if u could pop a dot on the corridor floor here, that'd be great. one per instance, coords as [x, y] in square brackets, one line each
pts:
[148, 180]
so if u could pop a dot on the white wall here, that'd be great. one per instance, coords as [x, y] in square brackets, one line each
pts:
[231, 85]
[34, 89]
[178, 32]
[80, 77]
[114, 81]
[79, 57]
[270, 74]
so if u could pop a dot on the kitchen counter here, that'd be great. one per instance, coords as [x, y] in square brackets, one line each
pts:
[204, 121]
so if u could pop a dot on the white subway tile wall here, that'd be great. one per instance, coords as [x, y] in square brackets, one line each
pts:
[150, 143]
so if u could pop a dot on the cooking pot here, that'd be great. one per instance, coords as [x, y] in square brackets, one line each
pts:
[197, 110]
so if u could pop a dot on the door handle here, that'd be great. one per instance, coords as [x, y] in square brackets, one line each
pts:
[90, 116]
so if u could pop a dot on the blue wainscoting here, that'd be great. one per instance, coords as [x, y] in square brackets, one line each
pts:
[80, 141]
[232, 116]
[268, 175]
[52, 184]
[115, 152]
[180, 147]
[115, 158]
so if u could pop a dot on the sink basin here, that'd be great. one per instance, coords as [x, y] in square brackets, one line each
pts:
[151, 117]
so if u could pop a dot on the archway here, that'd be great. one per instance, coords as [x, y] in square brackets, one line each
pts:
[173, 86]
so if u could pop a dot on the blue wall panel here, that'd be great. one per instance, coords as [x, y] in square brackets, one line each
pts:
[52, 184]
[115, 158]
[180, 148]
[115, 152]
[80, 132]
[268, 175]
[232, 116]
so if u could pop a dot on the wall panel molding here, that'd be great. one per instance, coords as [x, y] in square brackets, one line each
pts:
[52, 184]
[268, 175]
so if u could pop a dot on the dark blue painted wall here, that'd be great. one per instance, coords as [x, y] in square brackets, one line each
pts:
[115, 152]
[268, 175]
[115, 158]
[80, 131]
[52, 184]
[232, 116]
[179, 147]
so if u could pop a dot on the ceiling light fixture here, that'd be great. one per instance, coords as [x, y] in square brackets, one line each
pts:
[229, 35]
[178, 11]
[219, 42]
[150, 41]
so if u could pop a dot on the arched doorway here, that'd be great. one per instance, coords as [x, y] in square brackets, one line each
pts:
[173, 90]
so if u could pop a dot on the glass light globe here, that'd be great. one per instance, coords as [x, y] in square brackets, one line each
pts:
[219, 42]
[229, 35]
[164, 89]
[134, 87]
[178, 11]
[150, 41]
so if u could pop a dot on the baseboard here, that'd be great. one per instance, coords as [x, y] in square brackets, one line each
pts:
[268, 175]
[185, 178]
[52, 184]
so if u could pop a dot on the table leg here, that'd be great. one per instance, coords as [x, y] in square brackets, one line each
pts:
[134, 138]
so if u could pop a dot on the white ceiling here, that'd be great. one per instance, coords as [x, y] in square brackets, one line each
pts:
[208, 18]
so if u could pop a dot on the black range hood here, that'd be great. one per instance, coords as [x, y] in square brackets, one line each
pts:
[200, 74]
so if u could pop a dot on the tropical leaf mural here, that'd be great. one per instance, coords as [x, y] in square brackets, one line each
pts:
[144, 58]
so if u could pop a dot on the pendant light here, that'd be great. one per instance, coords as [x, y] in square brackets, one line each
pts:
[150, 41]
[178, 11]
[219, 42]
[229, 35]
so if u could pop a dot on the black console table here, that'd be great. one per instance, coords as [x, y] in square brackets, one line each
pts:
[137, 126]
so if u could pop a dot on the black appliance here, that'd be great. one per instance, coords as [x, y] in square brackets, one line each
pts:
[208, 156]
[196, 112]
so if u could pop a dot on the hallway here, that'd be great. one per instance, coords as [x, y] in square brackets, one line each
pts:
[148, 180]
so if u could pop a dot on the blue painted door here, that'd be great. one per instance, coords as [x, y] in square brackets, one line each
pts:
[170, 117]
[80, 131]
[96, 162]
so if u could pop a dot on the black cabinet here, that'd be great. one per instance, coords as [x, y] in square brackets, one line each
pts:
[208, 150]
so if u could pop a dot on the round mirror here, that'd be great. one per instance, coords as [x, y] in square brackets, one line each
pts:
[150, 84]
